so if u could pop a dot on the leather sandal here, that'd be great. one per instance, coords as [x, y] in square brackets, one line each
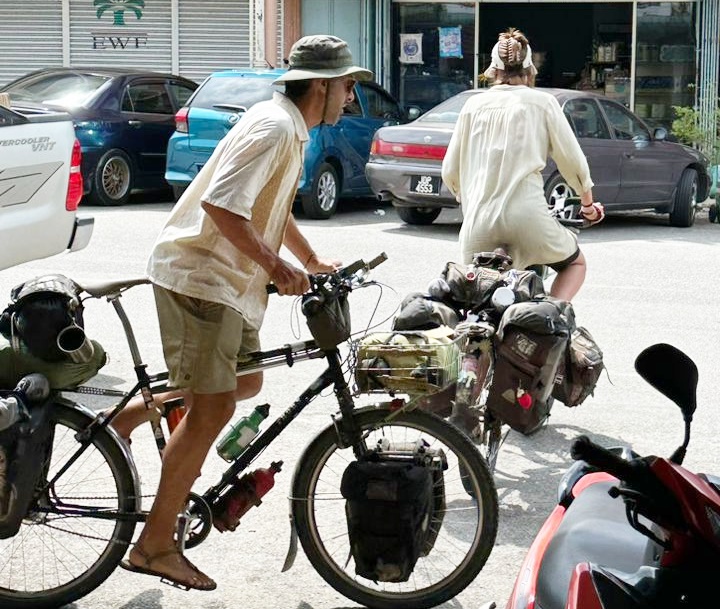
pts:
[146, 569]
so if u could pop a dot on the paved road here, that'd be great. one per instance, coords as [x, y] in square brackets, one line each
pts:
[646, 283]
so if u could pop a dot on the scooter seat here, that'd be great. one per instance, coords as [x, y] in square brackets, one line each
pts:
[594, 529]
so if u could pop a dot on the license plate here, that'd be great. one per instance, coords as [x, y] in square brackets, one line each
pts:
[425, 185]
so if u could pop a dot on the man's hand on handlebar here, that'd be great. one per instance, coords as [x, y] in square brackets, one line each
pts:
[289, 280]
[322, 265]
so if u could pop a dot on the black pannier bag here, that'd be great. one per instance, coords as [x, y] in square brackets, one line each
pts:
[418, 311]
[24, 448]
[40, 309]
[394, 508]
[471, 286]
[579, 370]
[530, 344]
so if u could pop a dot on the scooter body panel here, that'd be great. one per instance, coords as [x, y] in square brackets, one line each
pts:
[594, 529]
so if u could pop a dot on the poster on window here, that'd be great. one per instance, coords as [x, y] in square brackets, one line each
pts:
[411, 48]
[450, 41]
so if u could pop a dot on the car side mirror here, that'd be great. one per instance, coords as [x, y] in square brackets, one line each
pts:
[660, 134]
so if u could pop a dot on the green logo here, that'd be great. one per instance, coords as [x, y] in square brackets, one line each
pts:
[118, 8]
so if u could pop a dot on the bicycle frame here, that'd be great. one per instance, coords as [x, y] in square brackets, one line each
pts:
[148, 385]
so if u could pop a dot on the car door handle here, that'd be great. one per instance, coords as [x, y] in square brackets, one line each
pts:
[135, 123]
[629, 155]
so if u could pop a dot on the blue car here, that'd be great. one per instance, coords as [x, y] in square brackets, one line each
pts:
[335, 156]
[123, 119]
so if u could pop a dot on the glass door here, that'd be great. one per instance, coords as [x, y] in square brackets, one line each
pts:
[665, 60]
[433, 51]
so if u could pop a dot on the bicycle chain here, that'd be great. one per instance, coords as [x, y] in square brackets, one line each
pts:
[86, 535]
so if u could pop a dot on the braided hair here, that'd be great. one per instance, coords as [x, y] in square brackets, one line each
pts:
[512, 50]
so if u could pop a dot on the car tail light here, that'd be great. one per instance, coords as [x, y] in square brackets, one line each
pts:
[181, 120]
[75, 183]
[411, 151]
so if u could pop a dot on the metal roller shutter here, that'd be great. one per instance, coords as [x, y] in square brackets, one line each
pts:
[142, 43]
[29, 39]
[213, 35]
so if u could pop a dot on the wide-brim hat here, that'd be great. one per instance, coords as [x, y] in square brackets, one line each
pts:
[321, 56]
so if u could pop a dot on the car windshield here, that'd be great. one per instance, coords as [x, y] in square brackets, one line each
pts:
[68, 90]
[234, 90]
[446, 112]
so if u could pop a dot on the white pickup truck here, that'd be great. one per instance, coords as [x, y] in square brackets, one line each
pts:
[40, 187]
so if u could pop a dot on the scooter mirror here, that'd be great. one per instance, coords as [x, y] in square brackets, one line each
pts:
[672, 373]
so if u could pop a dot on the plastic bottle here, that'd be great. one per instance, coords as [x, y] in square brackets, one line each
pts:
[245, 493]
[236, 440]
[174, 411]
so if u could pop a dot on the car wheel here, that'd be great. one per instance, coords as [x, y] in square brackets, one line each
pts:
[178, 191]
[418, 215]
[322, 201]
[556, 191]
[112, 180]
[685, 201]
[713, 215]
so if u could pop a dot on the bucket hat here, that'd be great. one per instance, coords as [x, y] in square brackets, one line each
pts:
[322, 56]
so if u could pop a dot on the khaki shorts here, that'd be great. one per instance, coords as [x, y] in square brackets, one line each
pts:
[202, 341]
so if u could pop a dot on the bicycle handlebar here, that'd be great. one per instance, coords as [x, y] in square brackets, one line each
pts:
[346, 275]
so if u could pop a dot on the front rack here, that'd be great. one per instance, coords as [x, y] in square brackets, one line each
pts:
[414, 363]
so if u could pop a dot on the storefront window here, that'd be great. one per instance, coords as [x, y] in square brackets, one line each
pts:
[433, 51]
[665, 67]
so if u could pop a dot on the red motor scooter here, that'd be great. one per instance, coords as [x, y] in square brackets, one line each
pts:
[629, 531]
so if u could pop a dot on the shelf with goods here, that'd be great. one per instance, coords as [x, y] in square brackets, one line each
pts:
[661, 85]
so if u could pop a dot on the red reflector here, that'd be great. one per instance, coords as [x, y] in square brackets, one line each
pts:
[75, 183]
[181, 120]
[410, 151]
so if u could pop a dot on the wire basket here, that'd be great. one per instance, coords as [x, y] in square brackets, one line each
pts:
[413, 363]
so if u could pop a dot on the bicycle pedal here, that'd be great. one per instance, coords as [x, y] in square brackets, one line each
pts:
[169, 582]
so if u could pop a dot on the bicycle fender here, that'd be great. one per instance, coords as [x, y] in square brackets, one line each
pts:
[293, 547]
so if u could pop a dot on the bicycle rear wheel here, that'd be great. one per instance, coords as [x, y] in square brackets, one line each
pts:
[57, 558]
[464, 541]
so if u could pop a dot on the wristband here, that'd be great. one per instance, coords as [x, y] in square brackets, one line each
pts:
[310, 257]
[583, 205]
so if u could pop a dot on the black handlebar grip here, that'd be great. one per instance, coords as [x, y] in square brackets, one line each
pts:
[271, 288]
[583, 448]
[379, 259]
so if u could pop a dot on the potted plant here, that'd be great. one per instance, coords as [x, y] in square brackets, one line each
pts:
[687, 129]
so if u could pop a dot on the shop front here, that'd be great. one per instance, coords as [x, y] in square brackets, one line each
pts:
[643, 54]
[188, 37]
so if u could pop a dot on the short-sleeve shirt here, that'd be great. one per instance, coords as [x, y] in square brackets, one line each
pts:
[253, 172]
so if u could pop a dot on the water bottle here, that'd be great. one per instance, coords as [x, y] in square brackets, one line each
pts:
[245, 493]
[239, 436]
[174, 410]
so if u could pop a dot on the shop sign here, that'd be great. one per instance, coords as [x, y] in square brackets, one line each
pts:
[118, 9]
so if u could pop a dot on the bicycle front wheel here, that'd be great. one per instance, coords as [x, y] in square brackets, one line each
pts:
[58, 557]
[466, 535]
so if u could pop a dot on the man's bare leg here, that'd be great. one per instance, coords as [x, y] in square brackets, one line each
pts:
[136, 412]
[183, 457]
